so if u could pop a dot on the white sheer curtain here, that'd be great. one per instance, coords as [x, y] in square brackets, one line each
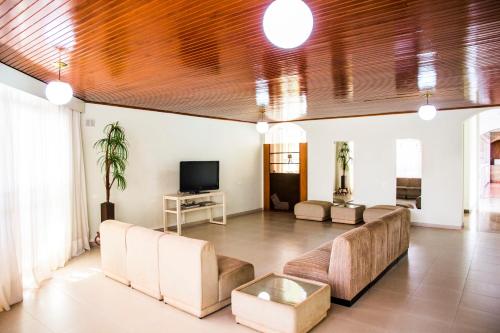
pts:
[43, 210]
[408, 158]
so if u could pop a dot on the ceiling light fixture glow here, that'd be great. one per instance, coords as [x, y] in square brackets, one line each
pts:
[58, 92]
[427, 111]
[288, 23]
[262, 126]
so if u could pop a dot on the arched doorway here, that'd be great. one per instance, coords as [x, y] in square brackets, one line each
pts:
[482, 171]
[285, 167]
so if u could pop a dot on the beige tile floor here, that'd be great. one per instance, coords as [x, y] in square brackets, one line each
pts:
[450, 282]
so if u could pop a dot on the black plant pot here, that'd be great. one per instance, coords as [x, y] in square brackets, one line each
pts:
[107, 211]
[342, 182]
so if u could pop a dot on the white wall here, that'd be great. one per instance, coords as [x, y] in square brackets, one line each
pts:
[158, 142]
[375, 160]
[489, 120]
[26, 83]
[471, 174]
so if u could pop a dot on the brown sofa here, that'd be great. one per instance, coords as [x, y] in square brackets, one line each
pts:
[355, 260]
[408, 188]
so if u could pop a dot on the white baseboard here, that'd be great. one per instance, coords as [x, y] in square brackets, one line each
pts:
[195, 223]
[437, 226]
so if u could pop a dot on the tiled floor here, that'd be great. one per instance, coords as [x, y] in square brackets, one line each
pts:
[487, 217]
[450, 282]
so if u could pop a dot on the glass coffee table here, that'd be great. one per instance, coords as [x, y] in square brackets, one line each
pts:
[281, 303]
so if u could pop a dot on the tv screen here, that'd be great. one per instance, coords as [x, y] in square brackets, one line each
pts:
[196, 176]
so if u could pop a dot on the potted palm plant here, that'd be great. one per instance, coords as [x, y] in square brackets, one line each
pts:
[343, 158]
[113, 150]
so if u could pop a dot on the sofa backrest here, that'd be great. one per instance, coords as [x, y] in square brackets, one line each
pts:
[393, 212]
[378, 246]
[408, 182]
[350, 267]
[393, 220]
[415, 182]
[188, 272]
[142, 260]
[114, 250]
[402, 182]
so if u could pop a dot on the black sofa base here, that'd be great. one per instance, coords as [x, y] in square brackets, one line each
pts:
[348, 303]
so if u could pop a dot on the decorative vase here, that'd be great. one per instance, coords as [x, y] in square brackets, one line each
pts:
[342, 182]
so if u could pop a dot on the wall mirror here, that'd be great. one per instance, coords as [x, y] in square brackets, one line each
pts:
[344, 176]
[409, 173]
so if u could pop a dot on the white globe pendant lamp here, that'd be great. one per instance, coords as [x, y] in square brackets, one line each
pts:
[288, 23]
[427, 111]
[58, 92]
[262, 126]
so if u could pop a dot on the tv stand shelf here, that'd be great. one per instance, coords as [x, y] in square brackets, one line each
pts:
[179, 199]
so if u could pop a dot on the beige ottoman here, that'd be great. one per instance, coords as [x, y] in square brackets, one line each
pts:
[347, 213]
[313, 210]
[281, 303]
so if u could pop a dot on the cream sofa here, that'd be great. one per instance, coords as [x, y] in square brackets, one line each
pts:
[183, 272]
[355, 260]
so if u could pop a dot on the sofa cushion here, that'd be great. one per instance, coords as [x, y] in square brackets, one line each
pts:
[311, 265]
[232, 274]
[413, 192]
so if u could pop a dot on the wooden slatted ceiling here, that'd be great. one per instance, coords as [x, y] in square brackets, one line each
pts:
[210, 58]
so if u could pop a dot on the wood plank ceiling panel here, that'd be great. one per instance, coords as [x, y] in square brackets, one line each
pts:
[210, 58]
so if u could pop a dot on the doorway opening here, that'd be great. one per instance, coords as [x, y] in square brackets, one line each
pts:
[482, 171]
[285, 167]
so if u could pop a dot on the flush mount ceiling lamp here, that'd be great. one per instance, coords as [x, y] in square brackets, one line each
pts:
[262, 125]
[288, 23]
[59, 92]
[427, 111]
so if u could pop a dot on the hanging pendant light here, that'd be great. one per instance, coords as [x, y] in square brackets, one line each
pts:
[262, 125]
[288, 23]
[59, 92]
[427, 111]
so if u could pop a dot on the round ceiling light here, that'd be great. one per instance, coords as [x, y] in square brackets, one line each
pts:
[427, 112]
[58, 92]
[262, 127]
[288, 23]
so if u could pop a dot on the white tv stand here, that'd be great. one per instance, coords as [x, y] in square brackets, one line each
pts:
[180, 212]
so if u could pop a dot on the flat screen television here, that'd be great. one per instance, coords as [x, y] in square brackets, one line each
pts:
[197, 176]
